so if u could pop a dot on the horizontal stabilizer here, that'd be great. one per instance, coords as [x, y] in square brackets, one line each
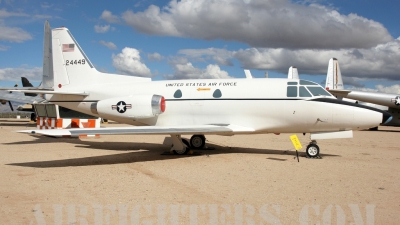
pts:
[45, 91]
[201, 129]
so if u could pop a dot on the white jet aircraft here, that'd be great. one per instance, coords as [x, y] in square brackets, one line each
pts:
[382, 101]
[195, 107]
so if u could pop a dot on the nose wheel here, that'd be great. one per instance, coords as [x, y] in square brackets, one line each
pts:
[312, 150]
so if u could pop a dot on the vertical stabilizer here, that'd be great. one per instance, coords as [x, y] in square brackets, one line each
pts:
[248, 74]
[48, 76]
[293, 73]
[71, 66]
[334, 77]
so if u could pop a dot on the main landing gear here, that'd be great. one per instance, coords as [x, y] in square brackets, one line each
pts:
[312, 150]
[182, 146]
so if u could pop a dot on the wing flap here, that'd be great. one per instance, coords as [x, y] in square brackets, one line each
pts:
[146, 130]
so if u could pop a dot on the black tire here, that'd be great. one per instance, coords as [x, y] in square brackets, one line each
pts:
[197, 141]
[312, 150]
[186, 142]
[182, 152]
[33, 117]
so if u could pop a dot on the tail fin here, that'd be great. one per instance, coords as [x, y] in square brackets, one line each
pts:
[334, 77]
[293, 73]
[48, 76]
[25, 83]
[71, 65]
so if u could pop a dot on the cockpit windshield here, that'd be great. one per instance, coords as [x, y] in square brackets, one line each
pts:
[305, 89]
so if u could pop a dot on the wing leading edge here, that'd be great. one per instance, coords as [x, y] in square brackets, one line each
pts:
[145, 130]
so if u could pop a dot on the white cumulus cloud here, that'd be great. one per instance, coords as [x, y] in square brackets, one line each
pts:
[155, 56]
[109, 44]
[15, 74]
[101, 29]
[188, 71]
[109, 17]
[259, 23]
[129, 62]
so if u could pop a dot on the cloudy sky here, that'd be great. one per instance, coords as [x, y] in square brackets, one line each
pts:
[193, 39]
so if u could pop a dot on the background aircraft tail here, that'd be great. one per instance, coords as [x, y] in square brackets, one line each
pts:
[293, 73]
[25, 83]
[334, 77]
[48, 76]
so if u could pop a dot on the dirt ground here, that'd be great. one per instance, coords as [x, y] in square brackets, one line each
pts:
[252, 179]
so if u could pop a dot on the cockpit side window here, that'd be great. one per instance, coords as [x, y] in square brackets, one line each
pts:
[303, 92]
[318, 91]
[291, 91]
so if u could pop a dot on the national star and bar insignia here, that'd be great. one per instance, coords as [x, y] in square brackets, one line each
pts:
[121, 106]
[396, 100]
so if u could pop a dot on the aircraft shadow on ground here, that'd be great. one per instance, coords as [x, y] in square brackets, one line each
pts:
[156, 152]
[18, 124]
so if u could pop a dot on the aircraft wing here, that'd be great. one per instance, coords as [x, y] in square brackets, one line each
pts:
[390, 100]
[36, 90]
[17, 97]
[167, 130]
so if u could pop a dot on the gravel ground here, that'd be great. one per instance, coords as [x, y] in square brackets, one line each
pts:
[249, 179]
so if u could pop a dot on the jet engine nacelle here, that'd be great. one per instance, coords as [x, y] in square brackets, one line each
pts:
[130, 107]
[3, 102]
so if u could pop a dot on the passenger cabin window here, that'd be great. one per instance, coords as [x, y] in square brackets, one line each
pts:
[303, 92]
[291, 91]
[318, 91]
[217, 94]
[178, 94]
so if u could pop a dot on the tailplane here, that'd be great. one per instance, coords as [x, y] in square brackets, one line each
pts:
[334, 77]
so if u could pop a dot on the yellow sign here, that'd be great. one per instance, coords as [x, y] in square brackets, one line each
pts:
[296, 142]
[203, 89]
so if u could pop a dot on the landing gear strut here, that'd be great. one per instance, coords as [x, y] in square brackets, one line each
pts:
[182, 146]
[179, 146]
[312, 150]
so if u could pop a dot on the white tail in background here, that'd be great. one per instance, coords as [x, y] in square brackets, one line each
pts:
[48, 76]
[334, 77]
[293, 73]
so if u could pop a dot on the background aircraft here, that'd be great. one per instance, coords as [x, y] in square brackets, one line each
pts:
[383, 101]
[196, 107]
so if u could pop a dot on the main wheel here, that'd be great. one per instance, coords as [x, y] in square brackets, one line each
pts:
[197, 141]
[181, 152]
[312, 150]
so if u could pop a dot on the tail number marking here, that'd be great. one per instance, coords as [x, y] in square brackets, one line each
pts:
[75, 62]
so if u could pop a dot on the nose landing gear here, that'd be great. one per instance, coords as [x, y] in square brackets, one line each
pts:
[312, 150]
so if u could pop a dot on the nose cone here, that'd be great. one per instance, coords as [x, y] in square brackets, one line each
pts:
[386, 117]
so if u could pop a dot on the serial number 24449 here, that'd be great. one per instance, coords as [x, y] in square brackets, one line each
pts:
[75, 62]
